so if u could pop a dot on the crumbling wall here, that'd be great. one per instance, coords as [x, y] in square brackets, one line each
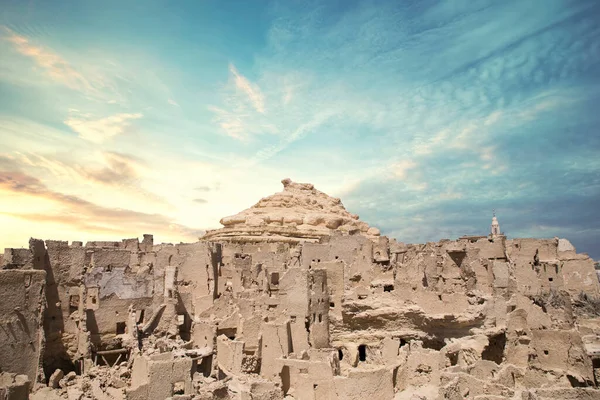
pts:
[347, 317]
[21, 317]
[64, 267]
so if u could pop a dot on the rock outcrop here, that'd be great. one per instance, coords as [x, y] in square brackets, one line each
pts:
[299, 213]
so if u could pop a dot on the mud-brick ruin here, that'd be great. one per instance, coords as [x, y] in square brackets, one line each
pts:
[297, 298]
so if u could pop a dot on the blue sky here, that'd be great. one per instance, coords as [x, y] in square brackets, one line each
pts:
[119, 118]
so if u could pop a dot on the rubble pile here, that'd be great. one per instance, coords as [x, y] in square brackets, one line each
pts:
[296, 298]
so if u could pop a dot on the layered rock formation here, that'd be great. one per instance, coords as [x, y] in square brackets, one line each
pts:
[299, 213]
[295, 298]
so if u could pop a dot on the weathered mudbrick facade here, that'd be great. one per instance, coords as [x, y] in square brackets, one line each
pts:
[297, 298]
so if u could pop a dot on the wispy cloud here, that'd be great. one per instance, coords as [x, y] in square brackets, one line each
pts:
[251, 90]
[76, 210]
[55, 66]
[119, 169]
[242, 114]
[400, 169]
[99, 130]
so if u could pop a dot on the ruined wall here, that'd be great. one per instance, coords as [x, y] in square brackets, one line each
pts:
[347, 317]
[21, 316]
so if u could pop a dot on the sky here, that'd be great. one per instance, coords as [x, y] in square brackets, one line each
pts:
[119, 118]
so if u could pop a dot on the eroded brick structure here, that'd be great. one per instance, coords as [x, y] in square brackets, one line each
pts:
[297, 298]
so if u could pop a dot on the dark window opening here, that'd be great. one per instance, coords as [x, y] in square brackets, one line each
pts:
[362, 352]
[434, 343]
[315, 386]
[320, 318]
[340, 354]
[121, 328]
[336, 257]
[285, 379]
[205, 366]
[403, 342]
[275, 278]
[576, 382]
[458, 258]
[388, 288]
[494, 351]
[453, 358]
[546, 352]
[229, 332]
[73, 303]
[106, 358]
[550, 279]
[331, 304]
[94, 300]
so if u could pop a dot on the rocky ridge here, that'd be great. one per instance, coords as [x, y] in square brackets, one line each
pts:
[298, 213]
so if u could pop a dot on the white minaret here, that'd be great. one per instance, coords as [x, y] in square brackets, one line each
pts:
[495, 226]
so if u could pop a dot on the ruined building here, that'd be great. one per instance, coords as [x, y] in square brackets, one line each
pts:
[297, 298]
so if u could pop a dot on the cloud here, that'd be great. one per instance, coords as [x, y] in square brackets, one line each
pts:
[200, 201]
[251, 90]
[242, 114]
[120, 169]
[74, 221]
[114, 171]
[58, 69]
[100, 130]
[77, 211]
[400, 169]
[173, 103]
